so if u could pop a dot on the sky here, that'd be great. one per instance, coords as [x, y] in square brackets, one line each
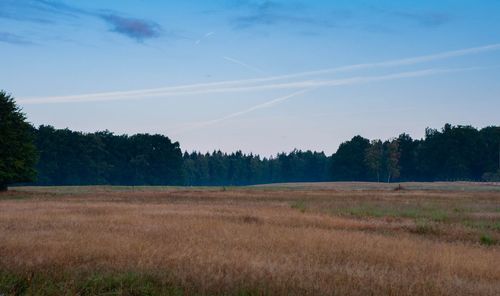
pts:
[261, 76]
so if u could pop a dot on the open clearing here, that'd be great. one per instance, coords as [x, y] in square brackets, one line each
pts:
[325, 238]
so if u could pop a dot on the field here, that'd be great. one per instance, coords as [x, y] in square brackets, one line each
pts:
[294, 239]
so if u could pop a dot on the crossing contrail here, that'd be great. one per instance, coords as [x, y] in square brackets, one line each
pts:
[314, 85]
[236, 89]
[247, 84]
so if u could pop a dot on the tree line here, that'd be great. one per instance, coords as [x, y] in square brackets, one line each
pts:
[65, 157]
[452, 153]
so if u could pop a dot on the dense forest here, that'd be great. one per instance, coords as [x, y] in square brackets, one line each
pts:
[453, 153]
[74, 158]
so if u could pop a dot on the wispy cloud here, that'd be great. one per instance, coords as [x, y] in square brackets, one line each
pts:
[13, 39]
[253, 84]
[137, 29]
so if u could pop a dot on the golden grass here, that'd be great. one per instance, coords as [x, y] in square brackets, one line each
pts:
[255, 241]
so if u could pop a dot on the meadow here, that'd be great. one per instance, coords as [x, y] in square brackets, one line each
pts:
[281, 239]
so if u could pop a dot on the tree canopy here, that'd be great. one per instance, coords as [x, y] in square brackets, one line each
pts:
[75, 158]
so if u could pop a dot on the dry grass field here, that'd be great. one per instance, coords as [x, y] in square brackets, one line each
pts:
[293, 239]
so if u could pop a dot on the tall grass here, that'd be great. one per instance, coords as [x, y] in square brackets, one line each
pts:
[241, 241]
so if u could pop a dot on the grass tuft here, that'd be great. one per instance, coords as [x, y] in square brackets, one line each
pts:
[299, 205]
[487, 240]
[424, 227]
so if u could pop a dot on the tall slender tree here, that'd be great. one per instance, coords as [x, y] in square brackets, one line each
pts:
[374, 156]
[392, 160]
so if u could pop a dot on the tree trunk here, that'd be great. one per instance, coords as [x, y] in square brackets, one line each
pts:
[3, 187]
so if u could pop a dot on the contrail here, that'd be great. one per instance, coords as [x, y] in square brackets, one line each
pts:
[207, 87]
[197, 42]
[243, 112]
[276, 86]
[314, 85]
[245, 65]
[396, 63]
[261, 87]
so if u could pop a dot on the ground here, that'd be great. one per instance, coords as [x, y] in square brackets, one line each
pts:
[294, 239]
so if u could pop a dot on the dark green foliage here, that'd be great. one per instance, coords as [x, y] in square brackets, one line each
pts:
[487, 240]
[454, 153]
[218, 168]
[17, 152]
[458, 153]
[126, 283]
[74, 158]
[407, 157]
[349, 164]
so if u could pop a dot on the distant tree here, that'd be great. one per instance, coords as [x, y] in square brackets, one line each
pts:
[17, 151]
[155, 160]
[490, 137]
[454, 153]
[408, 157]
[374, 156]
[348, 164]
[392, 160]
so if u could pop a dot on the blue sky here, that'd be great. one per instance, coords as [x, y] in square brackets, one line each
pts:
[262, 76]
